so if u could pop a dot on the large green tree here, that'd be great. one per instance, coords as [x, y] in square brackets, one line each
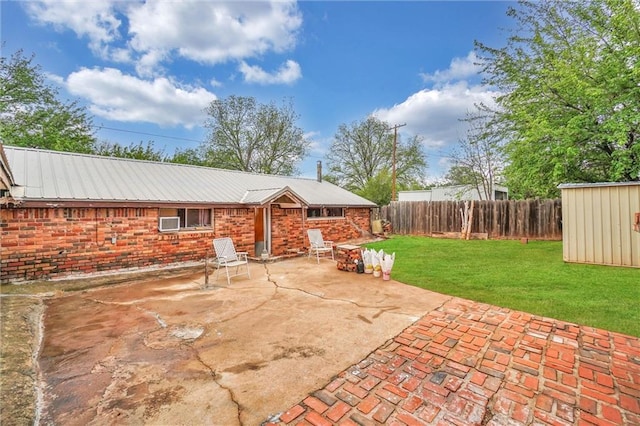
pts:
[361, 154]
[31, 114]
[249, 136]
[570, 82]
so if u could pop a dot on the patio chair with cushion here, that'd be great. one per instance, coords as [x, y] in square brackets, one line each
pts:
[227, 257]
[317, 245]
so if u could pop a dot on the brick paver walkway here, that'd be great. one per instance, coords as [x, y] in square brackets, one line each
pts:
[468, 363]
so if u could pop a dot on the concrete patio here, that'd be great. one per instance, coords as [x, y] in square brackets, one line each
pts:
[169, 351]
[302, 343]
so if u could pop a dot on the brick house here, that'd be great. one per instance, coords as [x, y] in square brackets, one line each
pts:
[66, 213]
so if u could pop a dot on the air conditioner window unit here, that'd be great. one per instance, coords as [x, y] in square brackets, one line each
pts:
[169, 224]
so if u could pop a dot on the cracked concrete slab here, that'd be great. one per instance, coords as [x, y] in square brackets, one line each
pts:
[170, 351]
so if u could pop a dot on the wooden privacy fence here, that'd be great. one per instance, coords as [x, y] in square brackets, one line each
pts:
[507, 219]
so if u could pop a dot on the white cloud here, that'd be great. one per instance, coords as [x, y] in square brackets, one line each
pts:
[288, 73]
[317, 145]
[153, 32]
[214, 32]
[435, 114]
[95, 20]
[459, 69]
[116, 96]
[444, 163]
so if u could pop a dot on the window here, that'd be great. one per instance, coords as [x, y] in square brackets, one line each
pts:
[190, 218]
[314, 212]
[325, 212]
[335, 212]
[195, 217]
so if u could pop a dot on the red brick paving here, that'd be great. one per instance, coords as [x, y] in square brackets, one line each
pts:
[469, 363]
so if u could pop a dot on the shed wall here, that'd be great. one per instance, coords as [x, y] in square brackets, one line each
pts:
[598, 224]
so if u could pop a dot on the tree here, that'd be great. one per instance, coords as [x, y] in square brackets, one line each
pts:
[363, 152]
[252, 137]
[570, 106]
[32, 116]
[187, 156]
[459, 174]
[137, 151]
[477, 161]
[377, 189]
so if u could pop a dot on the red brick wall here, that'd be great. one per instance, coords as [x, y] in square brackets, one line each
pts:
[237, 224]
[286, 230]
[352, 226]
[289, 231]
[55, 242]
[46, 243]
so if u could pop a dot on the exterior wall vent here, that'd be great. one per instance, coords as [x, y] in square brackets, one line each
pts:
[169, 224]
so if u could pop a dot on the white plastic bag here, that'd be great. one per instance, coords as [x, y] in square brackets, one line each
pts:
[376, 258]
[387, 265]
[368, 262]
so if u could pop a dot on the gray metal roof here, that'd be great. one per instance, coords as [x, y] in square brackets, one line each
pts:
[54, 176]
[262, 196]
[596, 184]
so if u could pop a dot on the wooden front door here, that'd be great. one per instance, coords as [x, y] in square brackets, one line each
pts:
[259, 232]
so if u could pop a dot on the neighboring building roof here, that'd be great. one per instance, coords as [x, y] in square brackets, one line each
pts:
[58, 177]
[450, 193]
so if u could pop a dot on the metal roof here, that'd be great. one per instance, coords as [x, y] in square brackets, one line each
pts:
[54, 176]
[262, 196]
[596, 184]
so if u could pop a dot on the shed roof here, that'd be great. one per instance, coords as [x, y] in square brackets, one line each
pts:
[596, 184]
[57, 177]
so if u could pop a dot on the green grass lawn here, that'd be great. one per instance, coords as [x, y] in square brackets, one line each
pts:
[526, 277]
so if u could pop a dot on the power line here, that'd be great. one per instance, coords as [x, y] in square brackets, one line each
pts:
[395, 128]
[149, 134]
[167, 137]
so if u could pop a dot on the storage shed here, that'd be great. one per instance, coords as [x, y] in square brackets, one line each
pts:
[601, 223]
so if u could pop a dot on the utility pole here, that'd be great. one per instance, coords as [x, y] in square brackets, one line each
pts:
[393, 161]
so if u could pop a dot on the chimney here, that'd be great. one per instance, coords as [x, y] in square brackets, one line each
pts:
[319, 170]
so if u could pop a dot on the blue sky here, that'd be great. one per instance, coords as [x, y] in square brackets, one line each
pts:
[151, 67]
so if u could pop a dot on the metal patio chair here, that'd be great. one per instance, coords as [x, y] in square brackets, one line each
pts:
[227, 257]
[318, 245]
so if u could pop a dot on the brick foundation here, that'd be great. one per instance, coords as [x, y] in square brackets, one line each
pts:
[43, 243]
